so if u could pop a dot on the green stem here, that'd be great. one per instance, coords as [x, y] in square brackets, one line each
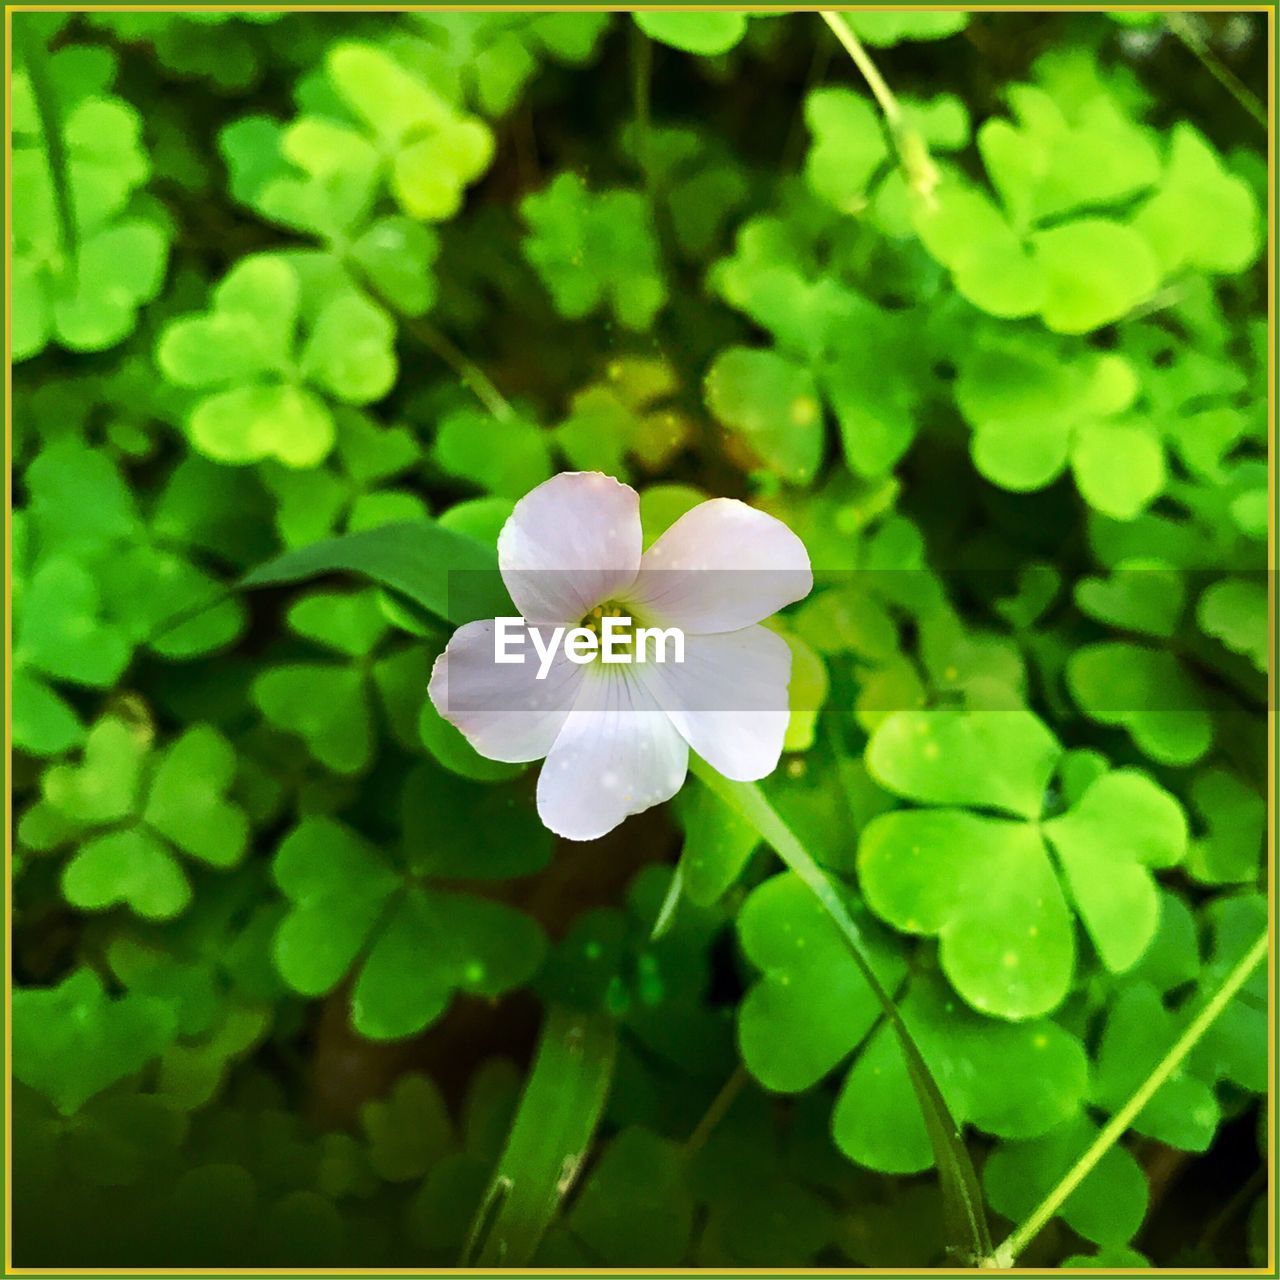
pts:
[716, 1112]
[641, 93]
[913, 153]
[35, 57]
[1191, 38]
[1008, 1252]
[472, 376]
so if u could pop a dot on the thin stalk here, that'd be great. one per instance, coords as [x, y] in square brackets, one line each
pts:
[716, 1112]
[1191, 37]
[472, 376]
[36, 62]
[642, 99]
[913, 153]
[1110, 1134]
[854, 47]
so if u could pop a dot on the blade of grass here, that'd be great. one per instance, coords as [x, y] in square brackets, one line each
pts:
[35, 59]
[968, 1235]
[555, 1122]
[1007, 1254]
[444, 573]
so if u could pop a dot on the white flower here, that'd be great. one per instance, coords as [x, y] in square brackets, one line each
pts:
[616, 737]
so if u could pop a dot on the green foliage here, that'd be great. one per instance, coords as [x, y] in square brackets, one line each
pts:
[303, 304]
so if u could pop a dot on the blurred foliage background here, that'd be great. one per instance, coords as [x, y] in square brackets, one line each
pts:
[282, 942]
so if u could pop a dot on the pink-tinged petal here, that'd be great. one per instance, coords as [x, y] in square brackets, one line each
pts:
[503, 709]
[569, 545]
[728, 698]
[722, 566]
[618, 754]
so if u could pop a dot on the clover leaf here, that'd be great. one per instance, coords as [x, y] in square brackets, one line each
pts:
[635, 1203]
[489, 58]
[72, 1041]
[409, 946]
[1107, 1207]
[1184, 1112]
[408, 1131]
[627, 415]
[1234, 817]
[849, 147]
[773, 404]
[1147, 692]
[595, 249]
[84, 295]
[1048, 251]
[1145, 596]
[130, 815]
[1201, 215]
[346, 491]
[884, 30]
[506, 456]
[707, 34]
[999, 910]
[813, 1007]
[1034, 414]
[1235, 611]
[321, 178]
[329, 704]
[430, 151]
[266, 395]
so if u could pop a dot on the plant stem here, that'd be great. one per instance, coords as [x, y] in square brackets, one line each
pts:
[1190, 36]
[913, 153]
[839, 24]
[473, 377]
[1008, 1252]
[641, 94]
[716, 1112]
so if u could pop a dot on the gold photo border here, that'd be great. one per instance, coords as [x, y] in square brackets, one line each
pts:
[1012, 7]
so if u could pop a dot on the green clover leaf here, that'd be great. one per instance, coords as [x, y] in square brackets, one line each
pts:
[262, 399]
[321, 177]
[812, 1009]
[772, 403]
[344, 493]
[595, 249]
[328, 704]
[628, 414]
[130, 814]
[1048, 253]
[413, 946]
[883, 30]
[1148, 693]
[1234, 816]
[408, 1131]
[1201, 215]
[849, 147]
[72, 1041]
[505, 456]
[1234, 610]
[1145, 596]
[431, 151]
[984, 882]
[1107, 1207]
[489, 58]
[85, 295]
[1033, 414]
[707, 34]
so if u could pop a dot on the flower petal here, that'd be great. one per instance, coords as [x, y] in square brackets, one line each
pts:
[728, 698]
[503, 709]
[570, 544]
[618, 754]
[722, 566]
